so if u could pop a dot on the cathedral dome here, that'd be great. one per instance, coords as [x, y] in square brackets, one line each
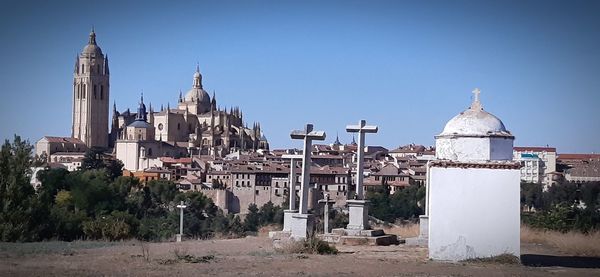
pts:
[92, 47]
[197, 94]
[475, 122]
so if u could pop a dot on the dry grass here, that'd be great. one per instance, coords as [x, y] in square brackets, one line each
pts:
[500, 259]
[312, 245]
[409, 230]
[573, 243]
[264, 230]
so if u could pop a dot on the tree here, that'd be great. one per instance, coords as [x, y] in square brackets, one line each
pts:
[236, 227]
[252, 220]
[20, 211]
[53, 181]
[531, 195]
[96, 158]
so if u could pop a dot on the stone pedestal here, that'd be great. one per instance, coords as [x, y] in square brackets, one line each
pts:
[423, 226]
[287, 219]
[423, 238]
[301, 225]
[178, 238]
[358, 216]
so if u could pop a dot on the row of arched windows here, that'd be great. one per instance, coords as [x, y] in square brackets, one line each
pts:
[81, 69]
[81, 91]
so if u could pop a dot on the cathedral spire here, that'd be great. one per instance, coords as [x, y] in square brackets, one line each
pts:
[337, 140]
[197, 78]
[141, 114]
[106, 71]
[92, 37]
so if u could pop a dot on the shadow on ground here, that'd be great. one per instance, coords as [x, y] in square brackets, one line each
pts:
[563, 261]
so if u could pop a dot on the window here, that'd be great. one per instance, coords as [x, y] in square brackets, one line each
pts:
[82, 68]
[94, 89]
[101, 92]
[256, 191]
[178, 126]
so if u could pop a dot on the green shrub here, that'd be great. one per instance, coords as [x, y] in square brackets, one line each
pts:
[107, 228]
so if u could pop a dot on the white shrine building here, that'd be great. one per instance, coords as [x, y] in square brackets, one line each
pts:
[473, 189]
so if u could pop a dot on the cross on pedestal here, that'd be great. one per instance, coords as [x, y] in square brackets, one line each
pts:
[302, 222]
[327, 202]
[361, 129]
[180, 207]
[308, 135]
[358, 208]
[287, 214]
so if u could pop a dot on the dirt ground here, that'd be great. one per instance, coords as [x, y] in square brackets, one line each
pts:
[254, 256]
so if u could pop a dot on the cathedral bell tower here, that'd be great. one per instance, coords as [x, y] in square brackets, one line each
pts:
[90, 95]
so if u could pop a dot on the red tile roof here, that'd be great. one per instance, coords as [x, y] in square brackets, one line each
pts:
[535, 149]
[491, 165]
[173, 160]
[64, 139]
[577, 156]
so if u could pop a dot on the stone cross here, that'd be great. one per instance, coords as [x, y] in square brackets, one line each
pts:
[476, 105]
[361, 129]
[292, 180]
[180, 207]
[327, 202]
[308, 135]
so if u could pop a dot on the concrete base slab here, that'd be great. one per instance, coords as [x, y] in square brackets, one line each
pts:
[287, 219]
[301, 226]
[417, 241]
[360, 237]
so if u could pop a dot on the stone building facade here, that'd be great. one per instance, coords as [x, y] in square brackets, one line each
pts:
[196, 124]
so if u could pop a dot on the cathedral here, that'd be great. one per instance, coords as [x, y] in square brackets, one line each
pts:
[197, 126]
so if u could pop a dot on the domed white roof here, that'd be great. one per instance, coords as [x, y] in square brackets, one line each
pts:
[475, 122]
[197, 94]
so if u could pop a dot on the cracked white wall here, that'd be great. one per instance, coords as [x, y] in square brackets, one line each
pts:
[473, 213]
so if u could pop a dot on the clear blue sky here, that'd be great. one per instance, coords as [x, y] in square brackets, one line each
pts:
[407, 66]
